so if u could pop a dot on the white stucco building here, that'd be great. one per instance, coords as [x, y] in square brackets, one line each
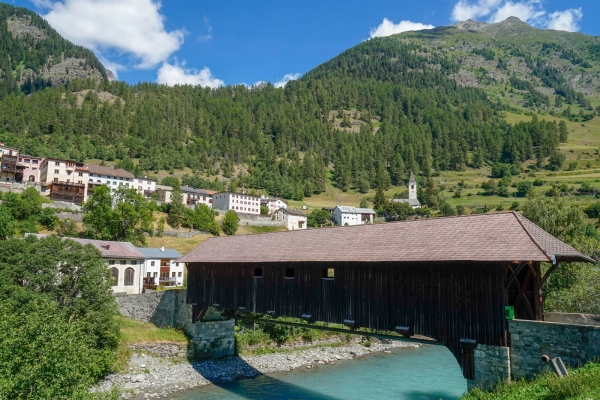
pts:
[123, 259]
[9, 157]
[412, 200]
[239, 202]
[64, 180]
[165, 193]
[193, 197]
[292, 219]
[347, 215]
[112, 177]
[272, 204]
[161, 267]
[144, 186]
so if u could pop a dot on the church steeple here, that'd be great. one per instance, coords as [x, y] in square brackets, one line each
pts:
[412, 187]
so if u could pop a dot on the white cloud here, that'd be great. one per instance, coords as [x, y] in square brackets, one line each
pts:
[112, 66]
[286, 78]
[176, 74]
[208, 36]
[465, 9]
[42, 3]
[565, 20]
[387, 28]
[524, 11]
[530, 11]
[131, 27]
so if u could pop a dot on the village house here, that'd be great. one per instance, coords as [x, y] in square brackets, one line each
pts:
[64, 180]
[29, 168]
[346, 215]
[272, 204]
[161, 267]
[164, 193]
[193, 197]
[112, 177]
[123, 259]
[144, 186]
[412, 200]
[239, 202]
[292, 219]
[9, 157]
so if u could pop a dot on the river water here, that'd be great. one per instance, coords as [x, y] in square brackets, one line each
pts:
[429, 372]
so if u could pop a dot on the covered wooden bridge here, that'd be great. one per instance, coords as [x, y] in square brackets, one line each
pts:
[445, 278]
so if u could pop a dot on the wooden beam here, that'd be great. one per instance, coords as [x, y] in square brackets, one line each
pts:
[548, 273]
[513, 276]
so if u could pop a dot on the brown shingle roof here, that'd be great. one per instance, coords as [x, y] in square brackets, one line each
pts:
[486, 237]
[109, 171]
[108, 248]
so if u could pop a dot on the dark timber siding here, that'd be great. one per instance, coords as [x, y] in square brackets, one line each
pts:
[443, 300]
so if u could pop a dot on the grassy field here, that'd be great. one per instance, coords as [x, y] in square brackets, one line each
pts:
[145, 332]
[581, 384]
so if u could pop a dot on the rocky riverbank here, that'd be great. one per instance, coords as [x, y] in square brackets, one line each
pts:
[153, 375]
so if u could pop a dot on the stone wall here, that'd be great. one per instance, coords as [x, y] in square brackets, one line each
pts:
[169, 309]
[492, 364]
[574, 344]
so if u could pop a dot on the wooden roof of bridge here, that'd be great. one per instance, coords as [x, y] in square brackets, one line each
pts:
[487, 238]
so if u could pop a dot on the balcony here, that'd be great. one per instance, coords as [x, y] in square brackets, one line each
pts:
[167, 281]
[67, 191]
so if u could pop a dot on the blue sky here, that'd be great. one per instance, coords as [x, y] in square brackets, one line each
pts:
[212, 43]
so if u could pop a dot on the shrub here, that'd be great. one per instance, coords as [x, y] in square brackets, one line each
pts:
[230, 222]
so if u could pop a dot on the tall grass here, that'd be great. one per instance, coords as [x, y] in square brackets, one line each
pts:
[581, 384]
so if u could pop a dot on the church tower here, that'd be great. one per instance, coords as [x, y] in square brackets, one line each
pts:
[412, 187]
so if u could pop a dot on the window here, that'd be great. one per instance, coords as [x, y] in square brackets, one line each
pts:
[179, 274]
[111, 262]
[154, 274]
[152, 263]
[115, 274]
[56, 171]
[328, 273]
[172, 274]
[35, 161]
[123, 262]
[258, 273]
[27, 160]
[81, 174]
[129, 275]
[55, 180]
[133, 262]
[177, 264]
[147, 274]
[289, 273]
[57, 163]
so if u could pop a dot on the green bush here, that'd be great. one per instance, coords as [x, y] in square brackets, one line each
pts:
[58, 333]
[230, 222]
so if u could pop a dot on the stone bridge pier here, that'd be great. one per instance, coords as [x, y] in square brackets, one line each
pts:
[575, 338]
[212, 339]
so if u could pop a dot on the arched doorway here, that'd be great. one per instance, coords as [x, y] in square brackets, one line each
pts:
[31, 178]
[129, 276]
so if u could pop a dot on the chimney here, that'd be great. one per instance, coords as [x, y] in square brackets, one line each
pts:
[162, 248]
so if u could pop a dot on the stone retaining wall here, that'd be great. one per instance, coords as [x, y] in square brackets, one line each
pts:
[492, 364]
[161, 349]
[169, 309]
[574, 344]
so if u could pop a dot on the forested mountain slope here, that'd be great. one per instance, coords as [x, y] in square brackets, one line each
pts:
[522, 65]
[33, 55]
[371, 115]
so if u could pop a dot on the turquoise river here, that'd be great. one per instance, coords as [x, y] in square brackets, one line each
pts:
[429, 372]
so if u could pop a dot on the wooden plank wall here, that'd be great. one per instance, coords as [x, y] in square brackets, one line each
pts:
[447, 301]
